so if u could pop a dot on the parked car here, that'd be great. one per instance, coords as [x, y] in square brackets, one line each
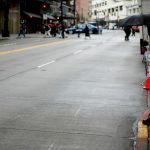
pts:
[93, 29]
[71, 30]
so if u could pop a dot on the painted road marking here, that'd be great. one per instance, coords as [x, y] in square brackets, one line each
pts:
[43, 65]
[29, 48]
[77, 112]
[77, 52]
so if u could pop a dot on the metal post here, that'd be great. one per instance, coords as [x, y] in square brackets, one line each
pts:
[62, 24]
[61, 9]
[74, 12]
[142, 14]
[141, 39]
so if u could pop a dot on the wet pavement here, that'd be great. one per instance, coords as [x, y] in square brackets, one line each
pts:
[72, 94]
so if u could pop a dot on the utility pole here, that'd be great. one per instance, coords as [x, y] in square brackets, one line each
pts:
[74, 12]
[142, 28]
[61, 9]
[61, 19]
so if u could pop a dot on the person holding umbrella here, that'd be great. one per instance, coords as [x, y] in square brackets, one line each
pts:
[127, 31]
[136, 20]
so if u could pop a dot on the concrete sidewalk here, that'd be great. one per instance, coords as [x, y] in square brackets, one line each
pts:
[30, 35]
[15, 36]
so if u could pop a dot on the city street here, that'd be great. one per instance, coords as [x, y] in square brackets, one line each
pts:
[70, 94]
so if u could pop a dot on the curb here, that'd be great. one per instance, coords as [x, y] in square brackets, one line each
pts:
[142, 131]
[15, 36]
[142, 136]
[28, 36]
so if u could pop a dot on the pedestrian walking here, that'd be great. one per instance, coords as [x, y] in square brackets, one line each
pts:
[100, 30]
[127, 31]
[54, 30]
[59, 31]
[47, 30]
[22, 29]
[78, 31]
[87, 32]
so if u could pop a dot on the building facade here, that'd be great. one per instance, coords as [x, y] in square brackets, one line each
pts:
[134, 8]
[82, 10]
[144, 30]
[9, 16]
[12, 12]
[113, 10]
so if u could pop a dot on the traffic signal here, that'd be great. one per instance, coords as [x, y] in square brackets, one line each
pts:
[44, 6]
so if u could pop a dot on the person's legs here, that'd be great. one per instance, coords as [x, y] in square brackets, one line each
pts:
[46, 34]
[78, 34]
[49, 33]
[126, 37]
[19, 34]
[23, 32]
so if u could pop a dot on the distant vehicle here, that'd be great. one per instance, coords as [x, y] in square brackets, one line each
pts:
[93, 29]
[71, 30]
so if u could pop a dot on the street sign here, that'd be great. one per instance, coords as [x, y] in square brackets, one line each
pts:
[44, 17]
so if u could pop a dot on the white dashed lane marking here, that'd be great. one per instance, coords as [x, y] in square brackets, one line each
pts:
[77, 112]
[77, 52]
[48, 63]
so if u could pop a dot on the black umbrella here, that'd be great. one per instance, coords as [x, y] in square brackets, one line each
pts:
[135, 20]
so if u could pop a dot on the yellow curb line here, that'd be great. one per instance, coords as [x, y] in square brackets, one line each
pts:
[31, 47]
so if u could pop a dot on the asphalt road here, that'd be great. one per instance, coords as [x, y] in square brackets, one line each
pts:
[70, 94]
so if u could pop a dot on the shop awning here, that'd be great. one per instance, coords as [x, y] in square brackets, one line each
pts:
[32, 15]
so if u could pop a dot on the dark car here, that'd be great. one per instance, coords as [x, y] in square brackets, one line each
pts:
[93, 29]
[71, 30]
